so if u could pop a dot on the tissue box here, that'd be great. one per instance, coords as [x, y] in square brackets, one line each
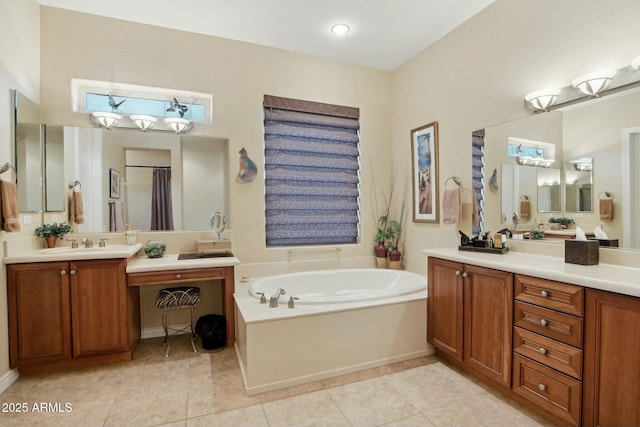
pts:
[613, 243]
[583, 252]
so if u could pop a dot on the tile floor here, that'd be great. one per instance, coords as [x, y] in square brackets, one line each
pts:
[205, 389]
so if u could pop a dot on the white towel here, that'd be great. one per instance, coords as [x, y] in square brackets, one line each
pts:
[451, 206]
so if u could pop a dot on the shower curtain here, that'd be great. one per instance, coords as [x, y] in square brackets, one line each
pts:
[161, 206]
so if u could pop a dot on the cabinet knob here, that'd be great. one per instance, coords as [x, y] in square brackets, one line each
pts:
[542, 387]
[543, 322]
[63, 272]
[178, 276]
[72, 272]
[544, 294]
[543, 351]
[458, 272]
[465, 274]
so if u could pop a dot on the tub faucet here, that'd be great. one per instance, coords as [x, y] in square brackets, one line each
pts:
[273, 301]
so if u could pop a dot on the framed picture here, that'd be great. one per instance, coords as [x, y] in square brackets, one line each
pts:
[424, 173]
[114, 184]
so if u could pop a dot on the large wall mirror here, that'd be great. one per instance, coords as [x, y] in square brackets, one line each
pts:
[28, 152]
[114, 171]
[591, 151]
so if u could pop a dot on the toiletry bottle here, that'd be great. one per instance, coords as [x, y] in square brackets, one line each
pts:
[131, 235]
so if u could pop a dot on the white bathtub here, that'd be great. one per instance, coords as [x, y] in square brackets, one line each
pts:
[345, 321]
[340, 286]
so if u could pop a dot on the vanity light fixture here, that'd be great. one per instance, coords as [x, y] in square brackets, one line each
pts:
[542, 99]
[340, 29]
[177, 124]
[105, 119]
[534, 161]
[593, 83]
[143, 121]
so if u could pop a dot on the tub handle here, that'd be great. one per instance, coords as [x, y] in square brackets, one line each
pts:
[291, 303]
[263, 299]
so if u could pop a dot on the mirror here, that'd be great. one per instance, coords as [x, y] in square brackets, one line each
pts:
[606, 132]
[548, 183]
[577, 185]
[114, 169]
[28, 152]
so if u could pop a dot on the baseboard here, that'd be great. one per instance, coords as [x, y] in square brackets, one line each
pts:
[158, 331]
[7, 379]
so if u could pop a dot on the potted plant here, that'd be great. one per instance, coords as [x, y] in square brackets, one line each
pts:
[394, 228]
[51, 232]
[563, 221]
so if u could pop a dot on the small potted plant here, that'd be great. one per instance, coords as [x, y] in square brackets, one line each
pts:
[563, 221]
[394, 228]
[51, 232]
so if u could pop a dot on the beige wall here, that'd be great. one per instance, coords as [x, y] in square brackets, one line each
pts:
[478, 75]
[19, 69]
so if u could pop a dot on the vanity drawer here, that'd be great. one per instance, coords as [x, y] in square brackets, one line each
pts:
[561, 357]
[557, 393]
[174, 276]
[559, 326]
[558, 296]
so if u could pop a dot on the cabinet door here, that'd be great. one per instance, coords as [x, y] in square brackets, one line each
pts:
[611, 367]
[445, 309]
[99, 307]
[39, 313]
[488, 316]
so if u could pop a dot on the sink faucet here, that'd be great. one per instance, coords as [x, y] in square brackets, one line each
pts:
[273, 301]
[103, 242]
[74, 243]
[88, 243]
[515, 220]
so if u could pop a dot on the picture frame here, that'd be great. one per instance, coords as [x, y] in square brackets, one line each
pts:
[425, 173]
[114, 184]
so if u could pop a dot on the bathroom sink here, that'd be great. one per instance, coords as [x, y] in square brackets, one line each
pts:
[199, 255]
[69, 249]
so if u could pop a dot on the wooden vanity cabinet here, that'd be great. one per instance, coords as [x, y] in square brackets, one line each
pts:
[611, 360]
[470, 317]
[65, 314]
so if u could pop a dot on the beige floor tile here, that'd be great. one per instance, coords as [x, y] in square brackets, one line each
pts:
[150, 411]
[251, 416]
[371, 402]
[311, 409]
[292, 391]
[417, 420]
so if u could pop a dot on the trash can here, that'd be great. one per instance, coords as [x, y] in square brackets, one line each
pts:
[212, 330]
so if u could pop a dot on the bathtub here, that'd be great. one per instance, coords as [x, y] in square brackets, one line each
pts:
[340, 286]
[344, 321]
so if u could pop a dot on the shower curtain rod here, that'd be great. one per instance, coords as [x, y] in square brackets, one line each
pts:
[144, 166]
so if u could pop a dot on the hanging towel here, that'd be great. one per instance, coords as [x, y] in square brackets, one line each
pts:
[117, 216]
[451, 207]
[525, 209]
[606, 209]
[475, 218]
[9, 211]
[76, 208]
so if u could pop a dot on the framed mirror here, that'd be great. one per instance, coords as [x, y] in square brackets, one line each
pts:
[28, 152]
[578, 185]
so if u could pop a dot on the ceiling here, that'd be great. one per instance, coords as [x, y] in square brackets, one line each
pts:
[384, 34]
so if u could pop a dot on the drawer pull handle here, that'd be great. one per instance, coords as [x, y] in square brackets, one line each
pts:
[72, 272]
[465, 274]
[544, 294]
[458, 272]
[63, 272]
[178, 276]
[542, 387]
[543, 351]
[543, 322]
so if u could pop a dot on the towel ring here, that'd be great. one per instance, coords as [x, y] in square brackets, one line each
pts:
[524, 197]
[606, 194]
[455, 179]
[8, 166]
[75, 184]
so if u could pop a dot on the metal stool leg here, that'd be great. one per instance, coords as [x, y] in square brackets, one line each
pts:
[166, 331]
[193, 332]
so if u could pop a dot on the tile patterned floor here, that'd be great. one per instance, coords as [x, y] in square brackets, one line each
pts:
[205, 389]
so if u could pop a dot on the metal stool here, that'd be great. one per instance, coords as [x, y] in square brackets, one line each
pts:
[176, 299]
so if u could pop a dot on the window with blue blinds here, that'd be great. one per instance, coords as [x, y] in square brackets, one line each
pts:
[312, 193]
[477, 156]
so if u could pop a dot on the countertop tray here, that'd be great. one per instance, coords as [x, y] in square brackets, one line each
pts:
[485, 250]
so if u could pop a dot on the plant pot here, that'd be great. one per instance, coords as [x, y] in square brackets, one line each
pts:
[51, 241]
[381, 255]
[394, 259]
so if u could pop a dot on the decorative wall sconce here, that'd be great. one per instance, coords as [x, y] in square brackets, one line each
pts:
[534, 161]
[593, 83]
[584, 87]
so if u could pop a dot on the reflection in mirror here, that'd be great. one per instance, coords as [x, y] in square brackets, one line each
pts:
[97, 158]
[518, 184]
[548, 190]
[54, 190]
[28, 161]
[578, 185]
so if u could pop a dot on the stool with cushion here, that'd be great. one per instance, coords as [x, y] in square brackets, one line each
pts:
[179, 298]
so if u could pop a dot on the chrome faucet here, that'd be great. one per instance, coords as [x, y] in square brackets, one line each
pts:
[74, 243]
[88, 243]
[291, 302]
[273, 301]
[263, 299]
[103, 242]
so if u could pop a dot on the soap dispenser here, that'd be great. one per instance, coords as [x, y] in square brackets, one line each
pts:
[131, 235]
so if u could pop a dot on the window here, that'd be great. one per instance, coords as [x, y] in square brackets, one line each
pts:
[311, 172]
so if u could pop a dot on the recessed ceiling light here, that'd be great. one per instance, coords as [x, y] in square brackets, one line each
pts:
[340, 29]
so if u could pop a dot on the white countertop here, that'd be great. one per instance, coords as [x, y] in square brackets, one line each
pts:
[144, 264]
[607, 277]
[65, 253]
